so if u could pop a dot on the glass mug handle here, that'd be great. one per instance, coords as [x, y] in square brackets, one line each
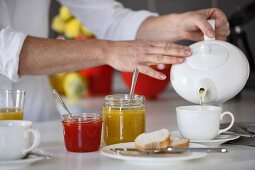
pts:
[230, 125]
[36, 142]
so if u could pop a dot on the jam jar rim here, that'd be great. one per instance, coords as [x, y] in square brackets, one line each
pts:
[124, 100]
[97, 117]
[126, 97]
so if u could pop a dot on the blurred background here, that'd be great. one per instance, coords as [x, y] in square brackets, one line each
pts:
[241, 15]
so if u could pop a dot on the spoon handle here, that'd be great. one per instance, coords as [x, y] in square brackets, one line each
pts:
[134, 79]
[61, 101]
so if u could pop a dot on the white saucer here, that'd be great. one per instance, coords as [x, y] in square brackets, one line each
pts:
[14, 164]
[151, 158]
[220, 139]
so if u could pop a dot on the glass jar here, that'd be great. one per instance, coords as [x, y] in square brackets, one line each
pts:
[123, 118]
[12, 104]
[82, 132]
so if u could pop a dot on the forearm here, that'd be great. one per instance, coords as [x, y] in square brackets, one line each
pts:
[48, 56]
[155, 28]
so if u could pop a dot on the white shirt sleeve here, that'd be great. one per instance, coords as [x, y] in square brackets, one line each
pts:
[108, 19]
[11, 42]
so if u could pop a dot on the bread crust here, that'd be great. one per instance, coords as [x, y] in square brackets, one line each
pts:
[182, 143]
[155, 145]
[169, 141]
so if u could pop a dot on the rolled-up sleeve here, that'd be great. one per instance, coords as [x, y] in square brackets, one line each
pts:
[108, 19]
[11, 42]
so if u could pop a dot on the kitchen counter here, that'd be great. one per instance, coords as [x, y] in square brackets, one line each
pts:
[160, 113]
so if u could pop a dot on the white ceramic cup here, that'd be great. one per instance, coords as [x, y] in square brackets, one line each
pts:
[15, 139]
[201, 122]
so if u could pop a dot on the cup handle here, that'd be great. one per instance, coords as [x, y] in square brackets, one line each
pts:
[230, 125]
[36, 142]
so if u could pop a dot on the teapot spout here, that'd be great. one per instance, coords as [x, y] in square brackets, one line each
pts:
[207, 92]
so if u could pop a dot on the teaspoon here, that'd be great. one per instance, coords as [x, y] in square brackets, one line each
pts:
[134, 79]
[62, 102]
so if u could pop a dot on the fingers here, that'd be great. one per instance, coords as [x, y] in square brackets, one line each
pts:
[162, 59]
[221, 25]
[166, 53]
[194, 36]
[222, 35]
[151, 72]
[222, 31]
[127, 55]
[170, 49]
[204, 26]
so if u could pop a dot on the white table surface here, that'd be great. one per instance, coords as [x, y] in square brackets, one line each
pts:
[160, 113]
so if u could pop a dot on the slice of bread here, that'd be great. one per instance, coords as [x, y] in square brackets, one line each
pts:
[160, 139]
[177, 142]
[154, 140]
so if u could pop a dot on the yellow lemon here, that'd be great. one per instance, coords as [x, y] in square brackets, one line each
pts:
[64, 13]
[56, 82]
[86, 31]
[58, 24]
[75, 85]
[73, 28]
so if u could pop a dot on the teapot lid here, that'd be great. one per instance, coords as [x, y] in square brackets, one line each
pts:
[207, 55]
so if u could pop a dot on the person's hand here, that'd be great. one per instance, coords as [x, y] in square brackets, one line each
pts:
[41, 56]
[195, 24]
[189, 25]
[128, 55]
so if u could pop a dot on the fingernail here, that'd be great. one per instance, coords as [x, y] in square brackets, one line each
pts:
[181, 60]
[210, 33]
[187, 52]
[163, 77]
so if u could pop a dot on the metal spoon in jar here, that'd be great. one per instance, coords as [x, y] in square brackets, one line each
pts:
[134, 79]
[62, 102]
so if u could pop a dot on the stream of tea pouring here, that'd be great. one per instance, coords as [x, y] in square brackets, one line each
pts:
[202, 93]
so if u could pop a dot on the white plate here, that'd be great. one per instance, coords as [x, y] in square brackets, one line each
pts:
[220, 139]
[151, 157]
[14, 164]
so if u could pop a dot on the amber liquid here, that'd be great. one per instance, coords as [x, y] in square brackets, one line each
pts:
[11, 114]
[122, 125]
[202, 93]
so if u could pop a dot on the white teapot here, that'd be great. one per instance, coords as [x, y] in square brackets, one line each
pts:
[217, 67]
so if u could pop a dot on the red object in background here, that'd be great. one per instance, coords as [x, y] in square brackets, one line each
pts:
[148, 86]
[99, 80]
[83, 37]
[82, 136]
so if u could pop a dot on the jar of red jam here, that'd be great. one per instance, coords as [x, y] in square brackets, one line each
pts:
[82, 132]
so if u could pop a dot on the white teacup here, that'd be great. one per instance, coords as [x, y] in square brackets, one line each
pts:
[201, 122]
[15, 139]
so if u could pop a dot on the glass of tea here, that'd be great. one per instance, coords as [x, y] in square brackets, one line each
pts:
[82, 132]
[12, 104]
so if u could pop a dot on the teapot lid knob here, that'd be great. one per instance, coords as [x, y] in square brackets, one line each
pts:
[205, 49]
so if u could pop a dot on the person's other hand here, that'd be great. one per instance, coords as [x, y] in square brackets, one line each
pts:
[128, 55]
[195, 24]
[189, 25]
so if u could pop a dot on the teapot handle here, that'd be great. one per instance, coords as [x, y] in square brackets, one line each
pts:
[212, 23]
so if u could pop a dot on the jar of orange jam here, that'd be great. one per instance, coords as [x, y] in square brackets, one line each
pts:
[123, 118]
